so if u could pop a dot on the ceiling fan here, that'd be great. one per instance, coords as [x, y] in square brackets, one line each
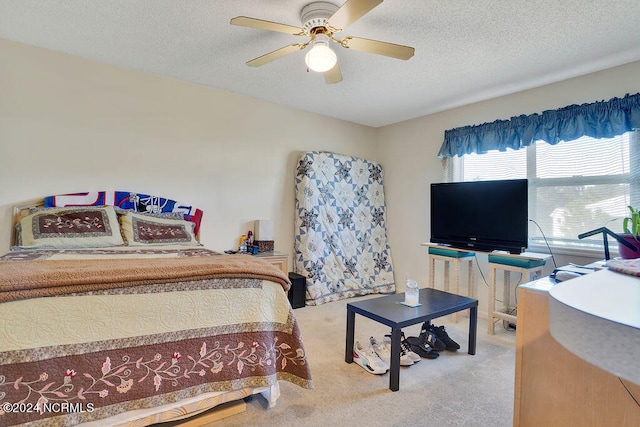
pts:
[320, 22]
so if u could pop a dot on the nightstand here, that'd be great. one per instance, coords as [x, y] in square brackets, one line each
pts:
[278, 259]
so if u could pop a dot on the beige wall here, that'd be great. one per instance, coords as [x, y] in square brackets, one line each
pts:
[408, 152]
[69, 124]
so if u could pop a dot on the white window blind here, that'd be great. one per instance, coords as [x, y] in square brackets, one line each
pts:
[574, 186]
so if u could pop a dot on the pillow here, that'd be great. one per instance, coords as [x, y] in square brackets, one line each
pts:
[168, 215]
[141, 229]
[69, 228]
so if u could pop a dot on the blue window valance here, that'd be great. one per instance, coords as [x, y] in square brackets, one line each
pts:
[604, 119]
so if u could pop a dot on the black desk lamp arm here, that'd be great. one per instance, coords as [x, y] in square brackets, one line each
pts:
[605, 231]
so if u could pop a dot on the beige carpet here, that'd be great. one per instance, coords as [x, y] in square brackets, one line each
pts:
[456, 389]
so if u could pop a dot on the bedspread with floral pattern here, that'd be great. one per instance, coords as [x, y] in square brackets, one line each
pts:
[66, 384]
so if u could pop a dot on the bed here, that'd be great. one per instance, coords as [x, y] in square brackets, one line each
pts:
[113, 313]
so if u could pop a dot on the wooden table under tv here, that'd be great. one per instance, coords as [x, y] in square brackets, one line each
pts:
[493, 313]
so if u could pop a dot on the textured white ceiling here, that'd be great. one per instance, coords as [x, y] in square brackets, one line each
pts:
[465, 51]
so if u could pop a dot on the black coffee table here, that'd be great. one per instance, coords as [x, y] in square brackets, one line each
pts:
[388, 311]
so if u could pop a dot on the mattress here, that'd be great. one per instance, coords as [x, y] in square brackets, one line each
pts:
[341, 244]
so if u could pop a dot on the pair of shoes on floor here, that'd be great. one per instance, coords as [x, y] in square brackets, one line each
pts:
[431, 341]
[444, 338]
[427, 343]
[421, 346]
[405, 349]
[383, 349]
[428, 335]
[366, 356]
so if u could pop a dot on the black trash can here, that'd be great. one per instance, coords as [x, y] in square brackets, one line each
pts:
[298, 291]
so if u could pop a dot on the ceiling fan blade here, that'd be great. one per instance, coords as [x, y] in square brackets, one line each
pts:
[379, 48]
[260, 24]
[350, 12]
[333, 75]
[276, 54]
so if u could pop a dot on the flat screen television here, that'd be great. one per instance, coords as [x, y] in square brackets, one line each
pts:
[481, 215]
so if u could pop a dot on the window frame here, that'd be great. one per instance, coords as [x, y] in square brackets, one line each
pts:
[454, 171]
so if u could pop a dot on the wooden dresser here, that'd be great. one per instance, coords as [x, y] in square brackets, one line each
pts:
[278, 259]
[554, 387]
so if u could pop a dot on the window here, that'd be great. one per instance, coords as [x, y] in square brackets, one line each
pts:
[574, 186]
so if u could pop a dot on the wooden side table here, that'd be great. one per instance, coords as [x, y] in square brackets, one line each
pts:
[279, 259]
[530, 269]
[451, 258]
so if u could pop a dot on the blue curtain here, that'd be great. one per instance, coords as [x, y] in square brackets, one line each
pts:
[604, 119]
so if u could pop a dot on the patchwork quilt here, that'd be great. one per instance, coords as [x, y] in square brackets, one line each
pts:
[341, 239]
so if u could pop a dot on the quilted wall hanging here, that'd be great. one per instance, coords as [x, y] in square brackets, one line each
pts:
[341, 238]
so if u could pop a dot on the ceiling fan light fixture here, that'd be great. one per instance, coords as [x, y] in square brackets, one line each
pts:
[320, 21]
[321, 57]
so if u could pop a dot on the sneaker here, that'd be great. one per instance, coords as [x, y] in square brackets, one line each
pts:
[420, 346]
[443, 336]
[405, 360]
[368, 359]
[381, 350]
[407, 348]
[431, 338]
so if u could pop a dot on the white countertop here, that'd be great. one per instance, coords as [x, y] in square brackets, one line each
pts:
[597, 317]
[606, 294]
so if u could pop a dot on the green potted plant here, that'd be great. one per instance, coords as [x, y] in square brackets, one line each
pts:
[631, 227]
